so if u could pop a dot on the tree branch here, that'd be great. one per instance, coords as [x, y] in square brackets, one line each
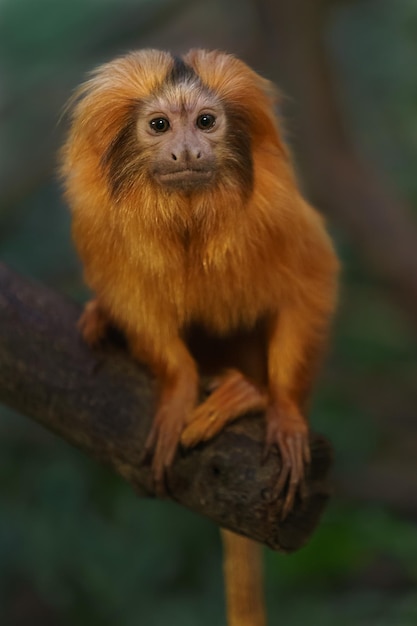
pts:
[102, 402]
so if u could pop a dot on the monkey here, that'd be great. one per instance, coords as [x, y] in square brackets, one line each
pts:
[200, 247]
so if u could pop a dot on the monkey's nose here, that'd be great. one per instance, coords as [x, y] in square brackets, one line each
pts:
[186, 156]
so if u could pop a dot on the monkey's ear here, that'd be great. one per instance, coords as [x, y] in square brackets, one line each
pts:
[105, 103]
[240, 87]
[270, 90]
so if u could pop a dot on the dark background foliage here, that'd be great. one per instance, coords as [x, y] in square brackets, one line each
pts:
[76, 545]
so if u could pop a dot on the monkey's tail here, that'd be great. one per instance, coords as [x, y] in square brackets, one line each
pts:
[243, 573]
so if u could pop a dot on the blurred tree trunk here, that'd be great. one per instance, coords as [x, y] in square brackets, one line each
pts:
[337, 180]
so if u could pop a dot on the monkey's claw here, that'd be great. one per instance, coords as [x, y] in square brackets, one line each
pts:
[161, 446]
[290, 434]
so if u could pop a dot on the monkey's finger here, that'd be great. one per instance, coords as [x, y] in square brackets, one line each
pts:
[296, 462]
[290, 493]
[293, 487]
[147, 453]
[200, 430]
[158, 474]
[149, 456]
[164, 454]
[150, 442]
[167, 444]
[159, 485]
[298, 446]
[285, 473]
[282, 481]
[275, 435]
[271, 438]
[289, 500]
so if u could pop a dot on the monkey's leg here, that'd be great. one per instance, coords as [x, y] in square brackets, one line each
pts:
[177, 375]
[233, 396]
[93, 323]
[243, 574]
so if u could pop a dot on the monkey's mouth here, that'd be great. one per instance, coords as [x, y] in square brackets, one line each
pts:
[185, 178]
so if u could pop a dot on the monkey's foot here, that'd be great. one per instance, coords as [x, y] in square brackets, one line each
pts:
[233, 396]
[289, 431]
[93, 323]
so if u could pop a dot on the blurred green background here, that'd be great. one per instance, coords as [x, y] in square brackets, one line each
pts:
[77, 547]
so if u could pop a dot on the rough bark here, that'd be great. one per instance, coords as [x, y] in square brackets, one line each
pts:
[102, 402]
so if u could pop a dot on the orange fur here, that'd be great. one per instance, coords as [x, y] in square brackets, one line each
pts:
[244, 261]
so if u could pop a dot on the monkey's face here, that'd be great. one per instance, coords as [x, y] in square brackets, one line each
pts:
[182, 133]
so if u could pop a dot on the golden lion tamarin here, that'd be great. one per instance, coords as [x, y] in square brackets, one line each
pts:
[199, 246]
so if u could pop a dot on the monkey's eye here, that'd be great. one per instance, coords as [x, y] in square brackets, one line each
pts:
[205, 121]
[159, 124]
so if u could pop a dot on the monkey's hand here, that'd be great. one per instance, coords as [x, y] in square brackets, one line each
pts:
[174, 410]
[93, 323]
[233, 396]
[288, 429]
[162, 443]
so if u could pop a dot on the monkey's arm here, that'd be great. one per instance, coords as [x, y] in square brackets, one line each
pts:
[172, 364]
[292, 358]
[297, 338]
[177, 377]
